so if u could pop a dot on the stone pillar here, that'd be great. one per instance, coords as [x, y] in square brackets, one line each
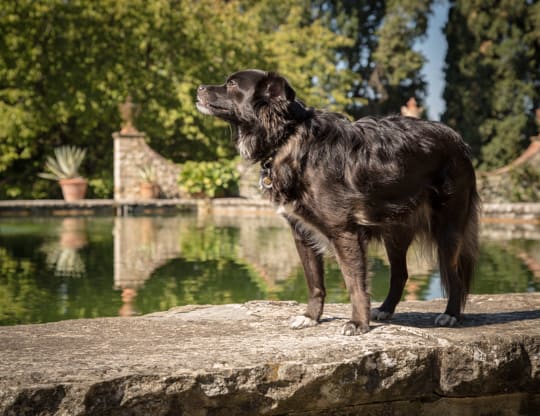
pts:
[132, 153]
[126, 180]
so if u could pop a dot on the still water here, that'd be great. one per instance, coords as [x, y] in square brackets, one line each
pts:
[67, 268]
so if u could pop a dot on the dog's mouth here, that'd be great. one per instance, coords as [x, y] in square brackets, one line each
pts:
[206, 107]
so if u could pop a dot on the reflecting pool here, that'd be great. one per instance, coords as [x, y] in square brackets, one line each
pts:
[82, 267]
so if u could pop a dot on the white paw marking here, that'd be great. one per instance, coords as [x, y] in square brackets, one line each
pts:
[351, 329]
[378, 315]
[301, 321]
[445, 320]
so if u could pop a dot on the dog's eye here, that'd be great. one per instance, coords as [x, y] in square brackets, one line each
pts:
[231, 83]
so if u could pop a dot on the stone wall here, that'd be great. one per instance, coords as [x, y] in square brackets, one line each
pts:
[497, 186]
[131, 153]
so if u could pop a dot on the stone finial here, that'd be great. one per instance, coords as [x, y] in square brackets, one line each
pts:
[411, 109]
[128, 112]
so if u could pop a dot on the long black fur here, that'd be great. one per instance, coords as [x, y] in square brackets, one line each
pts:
[340, 184]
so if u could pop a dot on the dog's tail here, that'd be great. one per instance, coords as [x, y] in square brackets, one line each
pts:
[456, 224]
[469, 247]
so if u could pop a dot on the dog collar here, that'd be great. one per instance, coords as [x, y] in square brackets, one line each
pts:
[265, 179]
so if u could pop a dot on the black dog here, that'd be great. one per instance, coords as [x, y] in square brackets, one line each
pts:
[340, 184]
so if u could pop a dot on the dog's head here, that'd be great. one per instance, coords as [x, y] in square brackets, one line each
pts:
[262, 106]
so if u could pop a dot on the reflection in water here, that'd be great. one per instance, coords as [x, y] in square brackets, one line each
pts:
[140, 246]
[63, 255]
[263, 249]
[128, 302]
[135, 265]
[514, 250]
[144, 245]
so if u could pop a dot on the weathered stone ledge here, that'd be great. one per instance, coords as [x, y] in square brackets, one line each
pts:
[244, 360]
[496, 212]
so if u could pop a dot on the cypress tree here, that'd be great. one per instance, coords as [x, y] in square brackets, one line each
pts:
[492, 76]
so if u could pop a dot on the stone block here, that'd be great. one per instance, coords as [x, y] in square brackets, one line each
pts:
[243, 359]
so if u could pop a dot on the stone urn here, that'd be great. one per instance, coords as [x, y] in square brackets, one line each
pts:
[73, 189]
[148, 190]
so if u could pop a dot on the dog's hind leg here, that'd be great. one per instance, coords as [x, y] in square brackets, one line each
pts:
[350, 248]
[314, 274]
[396, 246]
[449, 253]
[457, 242]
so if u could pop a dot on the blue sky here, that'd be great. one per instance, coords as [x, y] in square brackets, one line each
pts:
[434, 49]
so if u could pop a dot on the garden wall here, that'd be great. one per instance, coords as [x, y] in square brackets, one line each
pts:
[515, 182]
[131, 153]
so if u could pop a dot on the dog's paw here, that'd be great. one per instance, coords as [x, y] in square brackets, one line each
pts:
[378, 315]
[445, 320]
[301, 321]
[351, 329]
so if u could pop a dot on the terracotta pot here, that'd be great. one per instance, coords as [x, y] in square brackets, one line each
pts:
[73, 189]
[149, 190]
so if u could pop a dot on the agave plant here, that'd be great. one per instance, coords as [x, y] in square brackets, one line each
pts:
[64, 261]
[147, 173]
[65, 164]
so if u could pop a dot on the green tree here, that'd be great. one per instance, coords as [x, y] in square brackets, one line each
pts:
[397, 75]
[386, 68]
[66, 65]
[492, 76]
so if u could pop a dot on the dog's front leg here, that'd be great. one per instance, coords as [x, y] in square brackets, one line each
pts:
[314, 273]
[350, 248]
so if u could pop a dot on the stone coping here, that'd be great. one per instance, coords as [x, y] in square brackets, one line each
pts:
[114, 202]
[242, 359]
[59, 207]
[88, 203]
[512, 211]
[507, 212]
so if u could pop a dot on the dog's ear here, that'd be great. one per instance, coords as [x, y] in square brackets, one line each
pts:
[275, 86]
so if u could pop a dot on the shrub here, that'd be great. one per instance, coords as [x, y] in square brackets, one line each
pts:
[210, 179]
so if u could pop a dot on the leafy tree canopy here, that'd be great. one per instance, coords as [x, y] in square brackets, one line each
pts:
[66, 65]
